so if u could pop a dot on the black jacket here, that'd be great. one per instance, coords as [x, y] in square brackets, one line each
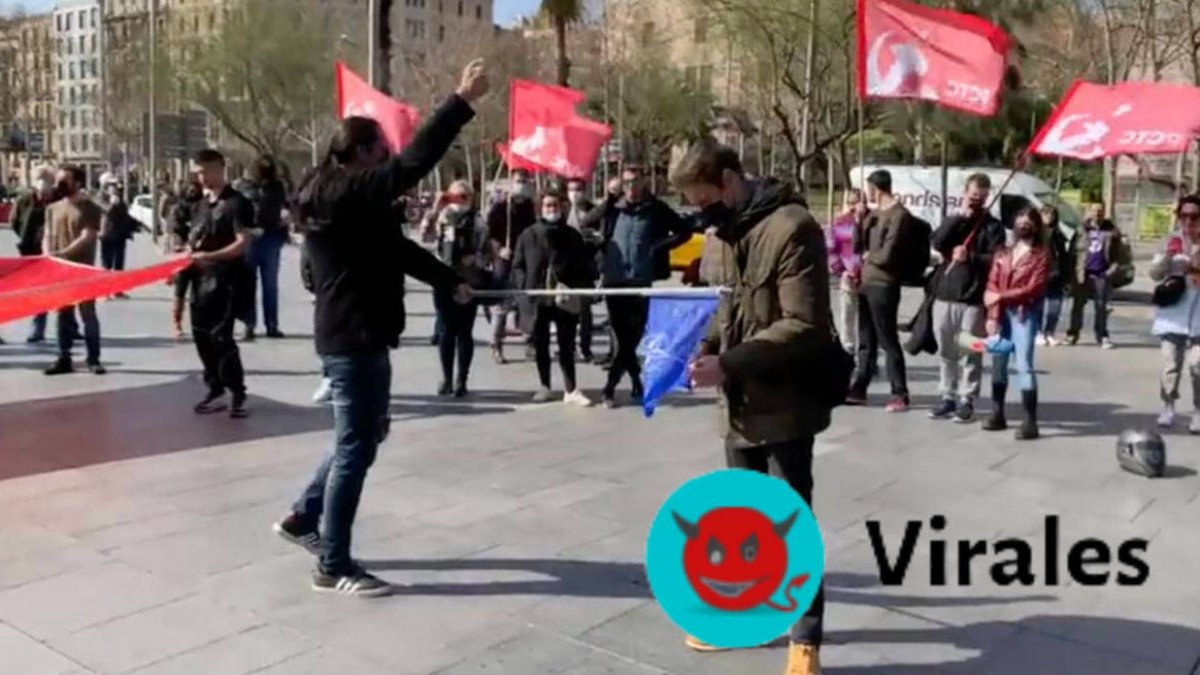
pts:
[498, 218]
[357, 248]
[551, 246]
[268, 200]
[966, 282]
[29, 223]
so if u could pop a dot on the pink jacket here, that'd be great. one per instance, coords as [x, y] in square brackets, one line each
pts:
[839, 242]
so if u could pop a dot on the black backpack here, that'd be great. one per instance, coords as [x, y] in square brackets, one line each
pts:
[914, 253]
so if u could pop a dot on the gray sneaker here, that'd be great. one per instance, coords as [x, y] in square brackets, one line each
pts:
[359, 584]
[543, 395]
[964, 413]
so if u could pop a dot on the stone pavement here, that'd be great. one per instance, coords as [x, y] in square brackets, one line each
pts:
[136, 538]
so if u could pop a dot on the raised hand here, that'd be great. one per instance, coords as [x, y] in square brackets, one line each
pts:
[474, 83]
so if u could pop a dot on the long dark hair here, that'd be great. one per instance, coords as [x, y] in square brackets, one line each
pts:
[1039, 225]
[352, 134]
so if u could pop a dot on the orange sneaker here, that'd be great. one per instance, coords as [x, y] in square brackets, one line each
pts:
[803, 660]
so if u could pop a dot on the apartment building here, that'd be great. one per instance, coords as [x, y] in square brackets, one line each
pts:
[27, 103]
[78, 59]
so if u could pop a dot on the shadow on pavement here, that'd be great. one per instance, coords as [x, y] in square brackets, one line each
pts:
[1083, 635]
[53, 434]
[1057, 418]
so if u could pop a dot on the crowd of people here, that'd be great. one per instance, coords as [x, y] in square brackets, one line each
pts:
[774, 351]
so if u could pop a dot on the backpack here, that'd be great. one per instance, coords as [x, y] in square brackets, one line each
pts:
[914, 253]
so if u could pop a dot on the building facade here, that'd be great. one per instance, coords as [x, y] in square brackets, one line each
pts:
[27, 99]
[78, 64]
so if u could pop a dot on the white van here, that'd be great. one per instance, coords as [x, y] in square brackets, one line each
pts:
[920, 189]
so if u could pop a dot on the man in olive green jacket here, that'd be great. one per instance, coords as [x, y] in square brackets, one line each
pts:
[775, 320]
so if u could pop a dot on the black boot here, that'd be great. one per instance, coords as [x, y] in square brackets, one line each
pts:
[996, 421]
[1029, 428]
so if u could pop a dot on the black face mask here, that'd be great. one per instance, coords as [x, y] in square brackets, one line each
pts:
[717, 214]
[62, 189]
[1024, 233]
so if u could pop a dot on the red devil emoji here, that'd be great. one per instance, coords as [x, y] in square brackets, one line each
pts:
[736, 558]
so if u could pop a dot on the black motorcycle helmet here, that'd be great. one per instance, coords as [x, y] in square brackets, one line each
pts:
[1142, 452]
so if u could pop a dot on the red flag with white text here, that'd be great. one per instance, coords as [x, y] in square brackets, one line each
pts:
[1096, 120]
[357, 98]
[544, 130]
[910, 51]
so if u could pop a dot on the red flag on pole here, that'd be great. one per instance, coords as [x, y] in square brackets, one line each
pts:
[909, 51]
[30, 286]
[1096, 120]
[545, 131]
[356, 98]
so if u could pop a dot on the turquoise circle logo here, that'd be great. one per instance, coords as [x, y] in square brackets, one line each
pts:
[735, 558]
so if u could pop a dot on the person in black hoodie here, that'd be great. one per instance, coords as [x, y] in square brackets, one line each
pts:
[966, 242]
[506, 219]
[551, 255]
[359, 256]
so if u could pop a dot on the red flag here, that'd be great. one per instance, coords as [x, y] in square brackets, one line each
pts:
[356, 98]
[30, 286]
[514, 162]
[909, 51]
[544, 130]
[1095, 120]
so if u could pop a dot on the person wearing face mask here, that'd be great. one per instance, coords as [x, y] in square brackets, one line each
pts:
[29, 224]
[115, 233]
[359, 258]
[759, 351]
[464, 245]
[639, 230]
[506, 219]
[578, 208]
[1014, 298]
[1177, 325]
[179, 226]
[967, 242]
[72, 228]
[1062, 266]
[552, 255]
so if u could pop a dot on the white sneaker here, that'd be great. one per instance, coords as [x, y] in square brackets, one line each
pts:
[578, 398]
[1167, 419]
[1194, 427]
[1043, 341]
[1107, 344]
[324, 393]
[1052, 341]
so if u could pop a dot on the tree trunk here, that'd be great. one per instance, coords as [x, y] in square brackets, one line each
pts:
[564, 64]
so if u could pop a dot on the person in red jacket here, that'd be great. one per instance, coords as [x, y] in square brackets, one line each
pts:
[1016, 287]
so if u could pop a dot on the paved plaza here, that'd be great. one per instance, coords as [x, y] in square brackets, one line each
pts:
[135, 538]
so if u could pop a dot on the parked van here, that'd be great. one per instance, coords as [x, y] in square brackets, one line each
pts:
[920, 189]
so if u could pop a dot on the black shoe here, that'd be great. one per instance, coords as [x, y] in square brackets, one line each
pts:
[291, 530]
[636, 394]
[61, 367]
[1029, 428]
[358, 583]
[96, 368]
[1028, 431]
[461, 390]
[964, 413]
[249, 336]
[275, 334]
[995, 422]
[586, 357]
[609, 402]
[34, 339]
[238, 409]
[1072, 340]
[444, 389]
[604, 361]
[213, 403]
[434, 340]
[856, 397]
[943, 411]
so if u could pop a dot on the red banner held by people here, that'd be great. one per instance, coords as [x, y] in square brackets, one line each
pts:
[1096, 120]
[357, 98]
[30, 286]
[909, 51]
[545, 131]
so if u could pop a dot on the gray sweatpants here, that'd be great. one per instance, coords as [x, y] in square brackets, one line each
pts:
[950, 319]
[1176, 351]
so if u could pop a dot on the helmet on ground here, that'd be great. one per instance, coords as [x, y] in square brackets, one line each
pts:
[1142, 452]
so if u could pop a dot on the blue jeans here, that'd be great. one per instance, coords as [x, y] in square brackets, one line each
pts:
[361, 394]
[263, 258]
[1053, 310]
[1023, 333]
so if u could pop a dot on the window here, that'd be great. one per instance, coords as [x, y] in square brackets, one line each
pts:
[60, 71]
[93, 43]
[441, 33]
[70, 46]
[414, 29]
[479, 12]
[58, 23]
[95, 67]
[700, 30]
[71, 70]
[84, 138]
[95, 18]
[460, 10]
[68, 22]
[72, 99]
[440, 8]
[96, 142]
[82, 19]
[62, 120]
[74, 119]
[647, 32]
[196, 23]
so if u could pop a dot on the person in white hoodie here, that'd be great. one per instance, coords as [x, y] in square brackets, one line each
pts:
[1178, 325]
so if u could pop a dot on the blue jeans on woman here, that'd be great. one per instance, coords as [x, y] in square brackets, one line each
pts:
[361, 386]
[1021, 327]
[263, 257]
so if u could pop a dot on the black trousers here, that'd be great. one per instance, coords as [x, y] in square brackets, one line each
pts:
[627, 316]
[587, 325]
[213, 310]
[456, 337]
[791, 461]
[565, 323]
[112, 254]
[1099, 290]
[878, 306]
